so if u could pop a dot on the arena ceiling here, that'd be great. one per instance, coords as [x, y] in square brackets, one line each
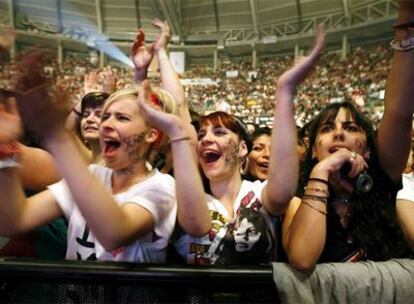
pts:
[201, 27]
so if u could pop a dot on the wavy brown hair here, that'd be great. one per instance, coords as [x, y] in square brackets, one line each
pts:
[373, 223]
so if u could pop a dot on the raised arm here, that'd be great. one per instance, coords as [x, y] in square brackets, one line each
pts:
[112, 225]
[109, 80]
[284, 161]
[193, 214]
[394, 132]
[19, 214]
[142, 56]
[169, 77]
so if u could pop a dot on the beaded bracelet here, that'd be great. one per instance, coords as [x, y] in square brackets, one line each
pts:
[317, 189]
[324, 212]
[321, 199]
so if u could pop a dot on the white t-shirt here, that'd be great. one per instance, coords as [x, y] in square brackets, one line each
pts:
[156, 194]
[247, 239]
[407, 191]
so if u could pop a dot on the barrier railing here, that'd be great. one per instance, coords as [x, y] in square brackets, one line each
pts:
[38, 281]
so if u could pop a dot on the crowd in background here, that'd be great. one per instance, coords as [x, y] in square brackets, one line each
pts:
[360, 77]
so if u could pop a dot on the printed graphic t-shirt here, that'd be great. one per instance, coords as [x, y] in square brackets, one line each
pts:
[156, 194]
[248, 239]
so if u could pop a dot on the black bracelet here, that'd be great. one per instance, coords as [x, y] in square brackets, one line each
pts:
[315, 179]
[405, 25]
[76, 112]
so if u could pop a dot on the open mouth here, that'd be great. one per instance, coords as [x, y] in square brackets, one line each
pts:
[264, 165]
[111, 146]
[210, 157]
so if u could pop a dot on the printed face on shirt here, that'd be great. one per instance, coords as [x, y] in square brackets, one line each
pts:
[219, 150]
[342, 132]
[258, 165]
[246, 236]
[89, 123]
[125, 137]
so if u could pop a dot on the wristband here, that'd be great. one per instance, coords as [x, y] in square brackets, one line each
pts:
[172, 140]
[76, 112]
[9, 162]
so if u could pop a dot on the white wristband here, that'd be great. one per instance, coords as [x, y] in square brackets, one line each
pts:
[9, 162]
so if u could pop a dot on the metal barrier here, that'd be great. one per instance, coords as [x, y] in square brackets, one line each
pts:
[38, 281]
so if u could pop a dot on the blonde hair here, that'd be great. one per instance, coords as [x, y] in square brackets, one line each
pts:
[167, 104]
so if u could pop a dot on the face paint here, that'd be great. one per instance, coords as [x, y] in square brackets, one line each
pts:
[233, 154]
[133, 142]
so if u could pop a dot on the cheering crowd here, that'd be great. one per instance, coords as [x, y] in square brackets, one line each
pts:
[132, 172]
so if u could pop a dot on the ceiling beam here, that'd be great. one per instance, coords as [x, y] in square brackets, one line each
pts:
[158, 13]
[254, 16]
[137, 14]
[59, 20]
[172, 17]
[99, 16]
[10, 7]
[299, 12]
[216, 15]
[345, 4]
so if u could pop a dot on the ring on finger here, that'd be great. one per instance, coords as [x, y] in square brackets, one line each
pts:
[353, 155]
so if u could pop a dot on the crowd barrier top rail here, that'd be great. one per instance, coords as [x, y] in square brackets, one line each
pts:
[26, 267]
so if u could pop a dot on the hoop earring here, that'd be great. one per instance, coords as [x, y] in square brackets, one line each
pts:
[244, 165]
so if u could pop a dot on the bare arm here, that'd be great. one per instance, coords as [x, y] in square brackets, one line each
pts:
[122, 224]
[394, 132]
[38, 169]
[193, 214]
[405, 215]
[19, 214]
[284, 160]
[169, 77]
[142, 57]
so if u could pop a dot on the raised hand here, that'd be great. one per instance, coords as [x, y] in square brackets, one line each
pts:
[290, 79]
[109, 80]
[168, 123]
[164, 37]
[39, 110]
[140, 54]
[332, 165]
[91, 82]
